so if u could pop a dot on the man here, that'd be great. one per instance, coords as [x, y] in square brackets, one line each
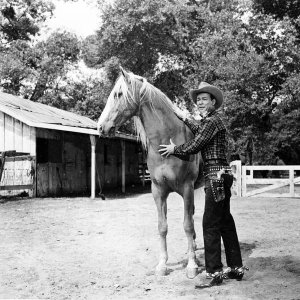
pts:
[210, 138]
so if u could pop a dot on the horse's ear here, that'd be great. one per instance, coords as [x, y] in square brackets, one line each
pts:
[125, 74]
[122, 70]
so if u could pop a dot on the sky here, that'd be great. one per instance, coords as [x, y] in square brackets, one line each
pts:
[80, 17]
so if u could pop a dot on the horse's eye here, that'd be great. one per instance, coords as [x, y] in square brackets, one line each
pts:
[118, 95]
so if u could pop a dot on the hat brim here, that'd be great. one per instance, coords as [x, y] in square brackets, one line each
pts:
[217, 94]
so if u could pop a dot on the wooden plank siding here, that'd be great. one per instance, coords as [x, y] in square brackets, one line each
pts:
[18, 176]
[62, 160]
[109, 163]
[2, 130]
[15, 135]
[62, 163]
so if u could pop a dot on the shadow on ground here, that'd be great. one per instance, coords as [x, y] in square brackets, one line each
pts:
[106, 195]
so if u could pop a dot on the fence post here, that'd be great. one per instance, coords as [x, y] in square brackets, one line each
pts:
[292, 183]
[93, 165]
[236, 165]
[244, 181]
[251, 174]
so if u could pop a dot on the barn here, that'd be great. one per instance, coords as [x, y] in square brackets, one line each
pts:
[46, 151]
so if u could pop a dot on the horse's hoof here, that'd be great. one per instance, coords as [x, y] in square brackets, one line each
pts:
[161, 271]
[191, 273]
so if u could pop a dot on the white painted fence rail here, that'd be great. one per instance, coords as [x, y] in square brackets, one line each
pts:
[285, 184]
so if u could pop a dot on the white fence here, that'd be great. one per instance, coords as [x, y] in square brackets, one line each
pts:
[266, 181]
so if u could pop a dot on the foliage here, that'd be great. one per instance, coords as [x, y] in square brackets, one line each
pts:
[40, 69]
[20, 20]
[279, 8]
[177, 44]
[51, 60]
[250, 49]
[31, 70]
[88, 95]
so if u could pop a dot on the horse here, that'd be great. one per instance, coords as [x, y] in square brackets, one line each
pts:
[156, 123]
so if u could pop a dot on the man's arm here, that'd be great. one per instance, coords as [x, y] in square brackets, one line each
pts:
[190, 123]
[201, 139]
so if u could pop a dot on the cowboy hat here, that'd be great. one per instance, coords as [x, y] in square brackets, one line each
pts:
[208, 88]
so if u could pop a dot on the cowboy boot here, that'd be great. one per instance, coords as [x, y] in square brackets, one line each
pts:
[216, 279]
[235, 273]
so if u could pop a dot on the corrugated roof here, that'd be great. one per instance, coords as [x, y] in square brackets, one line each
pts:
[44, 116]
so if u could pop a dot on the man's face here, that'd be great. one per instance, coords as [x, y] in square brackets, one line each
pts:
[204, 103]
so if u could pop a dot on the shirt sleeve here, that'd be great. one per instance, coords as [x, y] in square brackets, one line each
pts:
[201, 139]
[192, 125]
[185, 157]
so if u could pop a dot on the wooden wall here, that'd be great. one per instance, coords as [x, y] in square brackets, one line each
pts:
[18, 176]
[63, 159]
[15, 135]
[109, 163]
[71, 173]
[63, 163]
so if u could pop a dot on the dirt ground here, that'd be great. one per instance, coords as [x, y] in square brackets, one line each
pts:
[78, 248]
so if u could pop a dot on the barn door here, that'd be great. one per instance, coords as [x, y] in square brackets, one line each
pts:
[42, 187]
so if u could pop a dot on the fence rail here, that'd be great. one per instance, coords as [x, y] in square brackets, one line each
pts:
[278, 181]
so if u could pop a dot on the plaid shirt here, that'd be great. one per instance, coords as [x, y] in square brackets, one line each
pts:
[210, 138]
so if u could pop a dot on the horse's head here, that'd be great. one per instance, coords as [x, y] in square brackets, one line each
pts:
[122, 103]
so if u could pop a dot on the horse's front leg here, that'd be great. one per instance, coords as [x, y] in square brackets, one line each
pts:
[188, 224]
[160, 196]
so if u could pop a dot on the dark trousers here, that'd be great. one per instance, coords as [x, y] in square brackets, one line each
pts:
[218, 223]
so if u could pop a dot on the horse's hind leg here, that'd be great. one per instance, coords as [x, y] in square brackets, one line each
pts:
[188, 224]
[160, 197]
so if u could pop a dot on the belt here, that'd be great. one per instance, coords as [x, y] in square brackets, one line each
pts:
[217, 170]
[214, 162]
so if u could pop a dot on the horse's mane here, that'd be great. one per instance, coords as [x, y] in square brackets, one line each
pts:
[141, 90]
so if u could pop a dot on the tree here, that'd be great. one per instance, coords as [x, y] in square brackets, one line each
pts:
[43, 70]
[32, 70]
[143, 34]
[20, 20]
[19, 23]
[278, 8]
[281, 9]
[177, 44]
[52, 59]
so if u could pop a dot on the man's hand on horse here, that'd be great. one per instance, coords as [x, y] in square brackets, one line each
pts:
[167, 150]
